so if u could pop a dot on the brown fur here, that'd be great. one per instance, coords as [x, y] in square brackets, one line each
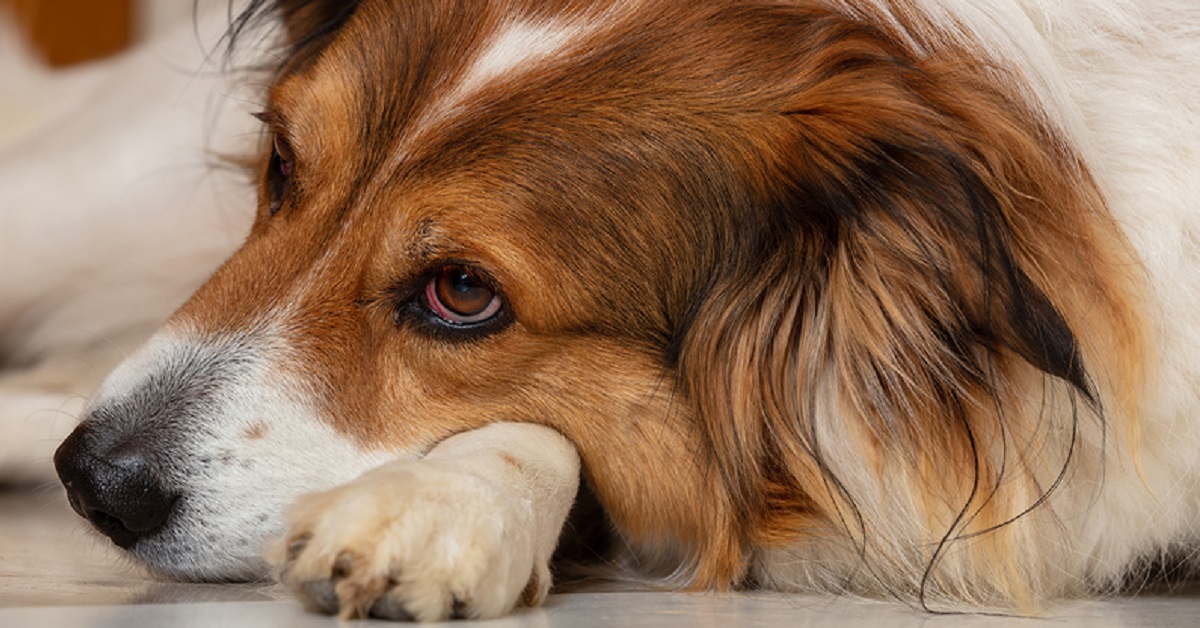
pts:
[720, 229]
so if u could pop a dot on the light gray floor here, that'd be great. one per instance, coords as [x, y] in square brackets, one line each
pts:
[55, 573]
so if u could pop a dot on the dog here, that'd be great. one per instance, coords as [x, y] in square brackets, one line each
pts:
[882, 298]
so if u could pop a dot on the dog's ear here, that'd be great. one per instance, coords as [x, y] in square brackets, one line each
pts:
[308, 25]
[930, 253]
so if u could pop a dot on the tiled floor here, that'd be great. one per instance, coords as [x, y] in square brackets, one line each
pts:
[54, 573]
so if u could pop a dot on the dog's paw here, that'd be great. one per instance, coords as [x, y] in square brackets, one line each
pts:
[413, 541]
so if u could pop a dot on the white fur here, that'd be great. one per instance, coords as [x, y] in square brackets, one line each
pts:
[1121, 78]
[518, 44]
[240, 459]
[474, 521]
[1132, 70]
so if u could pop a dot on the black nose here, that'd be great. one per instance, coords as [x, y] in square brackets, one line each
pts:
[114, 488]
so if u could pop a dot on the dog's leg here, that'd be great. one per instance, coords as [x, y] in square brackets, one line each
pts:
[467, 531]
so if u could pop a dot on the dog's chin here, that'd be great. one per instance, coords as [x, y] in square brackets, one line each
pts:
[193, 549]
[178, 562]
[190, 566]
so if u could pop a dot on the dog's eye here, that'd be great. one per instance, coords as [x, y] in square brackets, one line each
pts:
[459, 296]
[283, 164]
[285, 161]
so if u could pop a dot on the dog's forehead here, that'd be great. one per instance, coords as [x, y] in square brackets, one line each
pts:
[398, 77]
[413, 82]
[414, 113]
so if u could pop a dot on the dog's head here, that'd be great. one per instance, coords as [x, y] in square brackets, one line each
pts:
[755, 259]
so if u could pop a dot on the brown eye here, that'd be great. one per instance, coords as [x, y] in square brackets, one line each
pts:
[459, 296]
[283, 159]
[283, 164]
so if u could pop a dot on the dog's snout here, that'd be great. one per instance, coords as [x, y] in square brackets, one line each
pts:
[116, 490]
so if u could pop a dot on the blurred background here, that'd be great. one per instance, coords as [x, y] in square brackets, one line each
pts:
[121, 132]
[67, 32]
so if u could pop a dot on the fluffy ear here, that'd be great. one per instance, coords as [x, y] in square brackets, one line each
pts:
[934, 260]
[308, 25]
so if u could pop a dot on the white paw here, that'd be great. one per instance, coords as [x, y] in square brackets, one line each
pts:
[413, 541]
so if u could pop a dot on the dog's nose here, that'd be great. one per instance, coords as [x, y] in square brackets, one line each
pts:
[115, 490]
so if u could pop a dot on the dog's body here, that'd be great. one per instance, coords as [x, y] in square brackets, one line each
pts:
[891, 298]
[111, 214]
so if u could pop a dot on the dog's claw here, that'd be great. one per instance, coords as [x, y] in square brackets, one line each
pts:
[321, 595]
[389, 606]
